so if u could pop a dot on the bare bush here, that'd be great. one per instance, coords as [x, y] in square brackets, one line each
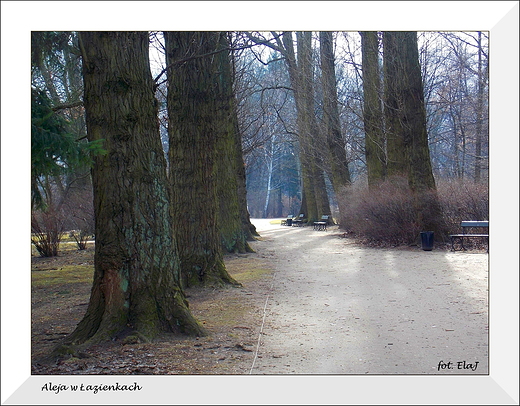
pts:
[387, 214]
[81, 237]
[46, 232]
[463, 201]
[383, 214]
[78, 212]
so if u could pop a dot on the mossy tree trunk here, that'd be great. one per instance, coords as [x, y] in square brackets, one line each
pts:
[407, 140]
[393, 112]
[136, 287]
[229, 155]
[372, 109]
[196, 106]
[336, 144]
[248, 228]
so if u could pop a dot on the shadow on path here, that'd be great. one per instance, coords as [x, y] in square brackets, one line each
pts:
[339, 308]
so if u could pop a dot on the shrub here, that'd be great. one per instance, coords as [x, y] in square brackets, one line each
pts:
[81, 237]
[386, 214]
[463, 201]
[78, 213]
[46, 232]
[383, 214]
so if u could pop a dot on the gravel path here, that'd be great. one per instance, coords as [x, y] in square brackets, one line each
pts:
[335, 307]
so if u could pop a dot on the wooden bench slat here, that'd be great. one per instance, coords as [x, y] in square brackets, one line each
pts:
[469, 224]
[474, 223]
[469, 235]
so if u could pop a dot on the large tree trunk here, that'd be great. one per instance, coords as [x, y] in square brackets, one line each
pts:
[408, 151]
[136, 286]
[315, 147]
[248, 228]
[372, 109]
[195, 126]
[394, 114]
[336, 143]
[410, 90]
[234, 239]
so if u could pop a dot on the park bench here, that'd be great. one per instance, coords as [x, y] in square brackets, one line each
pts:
[287, 221]
[298, 222]
[468, 225]
[322, 224]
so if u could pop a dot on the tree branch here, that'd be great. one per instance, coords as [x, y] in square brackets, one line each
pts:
[187, 59]
[267, 43]
[72, 105]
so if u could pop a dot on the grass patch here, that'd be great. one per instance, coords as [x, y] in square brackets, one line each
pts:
[67, 274]
[226, 312]
[230, 307]
[246, 270]
[63, 249]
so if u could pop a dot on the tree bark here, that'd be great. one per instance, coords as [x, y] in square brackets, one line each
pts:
[336, 144]
[234, 239]
[136, 288]
[406, 118]
[248, 228]
[195, 126]
[393, 112]
[372, 109]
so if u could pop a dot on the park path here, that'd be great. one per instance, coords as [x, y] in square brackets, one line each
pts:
[335, 307]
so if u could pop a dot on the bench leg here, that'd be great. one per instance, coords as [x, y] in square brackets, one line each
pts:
[462, 248]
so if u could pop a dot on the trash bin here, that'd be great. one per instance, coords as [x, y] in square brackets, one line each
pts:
[427, 240]
[289, 222]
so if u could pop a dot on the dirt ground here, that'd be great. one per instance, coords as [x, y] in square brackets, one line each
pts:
[311, 302]
[231, 315]
[337, 307]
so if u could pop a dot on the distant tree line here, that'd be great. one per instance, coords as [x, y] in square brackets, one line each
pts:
[451, 71]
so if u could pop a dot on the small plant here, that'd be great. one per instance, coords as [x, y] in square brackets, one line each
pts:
[46, 233]
[81, 237]
[78, 210]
